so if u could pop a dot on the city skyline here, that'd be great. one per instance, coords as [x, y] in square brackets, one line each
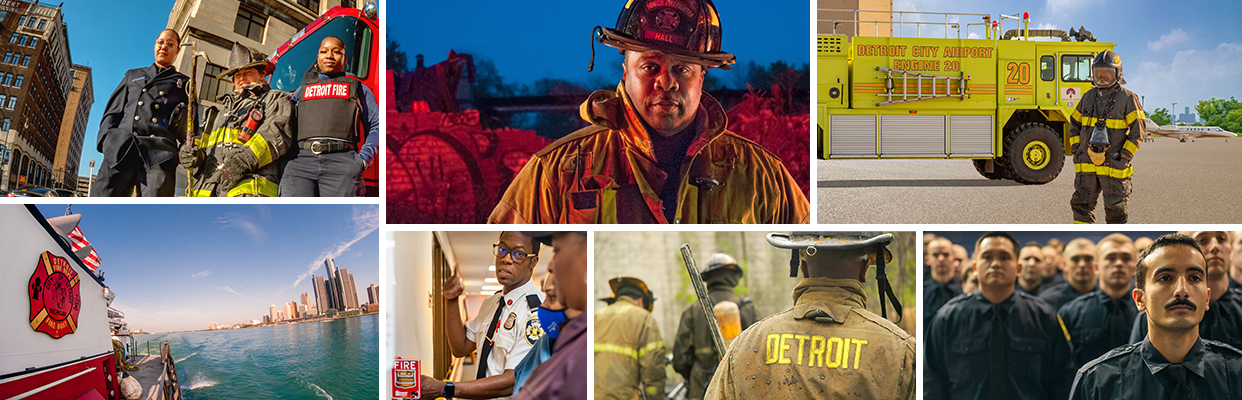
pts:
[221, 263]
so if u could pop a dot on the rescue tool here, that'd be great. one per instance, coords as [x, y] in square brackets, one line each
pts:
[705, 302]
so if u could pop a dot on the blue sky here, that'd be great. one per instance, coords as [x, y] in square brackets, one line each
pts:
[185, 266]
[111, 38]
[551, 39]
[1172, 52]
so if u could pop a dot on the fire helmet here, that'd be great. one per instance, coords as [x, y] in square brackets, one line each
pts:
[685, 29]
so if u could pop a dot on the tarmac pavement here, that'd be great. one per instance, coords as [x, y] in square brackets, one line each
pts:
[1174, 183]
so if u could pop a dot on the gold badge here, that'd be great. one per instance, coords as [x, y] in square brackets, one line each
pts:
[510, 321]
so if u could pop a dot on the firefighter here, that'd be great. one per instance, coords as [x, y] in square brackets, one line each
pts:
[694, 356]
[1100, 321]
[506, 327]
[629, 350]
[1222, 321]
[331, 107]
[142, 126]
[996, 343]
[1107, 128]
[943, 283]
[656, 150]
[236, 156]
[1172, 362]
[828, 346]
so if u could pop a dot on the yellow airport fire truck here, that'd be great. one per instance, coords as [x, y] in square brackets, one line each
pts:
[1002, 101]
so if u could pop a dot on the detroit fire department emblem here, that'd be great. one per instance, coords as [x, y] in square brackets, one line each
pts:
[533, 331]
[667, 20]
[55, 296]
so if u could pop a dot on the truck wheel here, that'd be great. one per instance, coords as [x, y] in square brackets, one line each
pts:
[998, 172]
[1034, 154]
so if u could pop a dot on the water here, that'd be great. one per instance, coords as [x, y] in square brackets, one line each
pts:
[334, 359]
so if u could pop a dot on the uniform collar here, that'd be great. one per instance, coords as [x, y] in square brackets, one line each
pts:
[518, 295]
[625, 300]
[614, 110]
[827, 300]
[1156, 362]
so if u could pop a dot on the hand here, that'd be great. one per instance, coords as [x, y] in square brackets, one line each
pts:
[453, 288]
[431, 387]
[190, 156]
[234, 168]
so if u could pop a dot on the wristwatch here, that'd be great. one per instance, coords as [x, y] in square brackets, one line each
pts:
[449, 390]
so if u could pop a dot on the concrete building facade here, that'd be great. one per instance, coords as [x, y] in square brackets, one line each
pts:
[73, 130]
[829, 22]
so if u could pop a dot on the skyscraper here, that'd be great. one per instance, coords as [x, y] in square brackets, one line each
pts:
[321, 294]
[275, 314]
[373, 294]
[305, 296]
[350, 291]
[336, 288]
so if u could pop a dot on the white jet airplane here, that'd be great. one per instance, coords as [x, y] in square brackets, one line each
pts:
[1188, 132]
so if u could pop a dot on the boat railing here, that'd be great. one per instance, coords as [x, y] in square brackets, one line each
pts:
[171, 388]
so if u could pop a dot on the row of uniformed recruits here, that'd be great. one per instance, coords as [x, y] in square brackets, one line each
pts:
[244, 148]
[1044, 339]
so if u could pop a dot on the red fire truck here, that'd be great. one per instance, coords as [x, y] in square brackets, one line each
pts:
[359, 29]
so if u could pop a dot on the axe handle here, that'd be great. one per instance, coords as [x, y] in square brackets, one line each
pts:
[705, 302]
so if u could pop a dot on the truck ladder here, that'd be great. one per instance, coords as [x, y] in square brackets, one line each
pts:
[905, 94]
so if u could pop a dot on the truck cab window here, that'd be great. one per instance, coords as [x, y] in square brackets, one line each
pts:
[1076, 68]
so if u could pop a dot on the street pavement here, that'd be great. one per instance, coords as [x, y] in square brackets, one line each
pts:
[1174, 183]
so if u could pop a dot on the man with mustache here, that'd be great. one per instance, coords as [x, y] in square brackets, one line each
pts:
[1099, 321]
[143, 124]
[1173, 362]
[1223, 320]
[1079, 274]
[503, 330]
[996, 343]
[656, 150]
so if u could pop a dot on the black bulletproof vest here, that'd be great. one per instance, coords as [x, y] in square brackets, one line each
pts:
[328, 108]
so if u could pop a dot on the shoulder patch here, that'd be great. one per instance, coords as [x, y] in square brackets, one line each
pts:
[533, 330]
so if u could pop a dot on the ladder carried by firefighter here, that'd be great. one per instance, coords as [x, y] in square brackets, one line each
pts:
[906, 96]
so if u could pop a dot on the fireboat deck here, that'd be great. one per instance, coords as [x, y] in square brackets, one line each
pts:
[150, 375]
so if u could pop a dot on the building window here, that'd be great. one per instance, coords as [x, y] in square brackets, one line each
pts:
[12, 102]
[312, 5]
[21, 20]
[3, 98]
[34, 41]
[6, 79]
[31, 22]
[18, 82]
[249, 24]
[14, 39]
[213, 88]
[5, 126]
[42, 23]
[3, 14]
[8, 57]
[23, 40]
[26, 60]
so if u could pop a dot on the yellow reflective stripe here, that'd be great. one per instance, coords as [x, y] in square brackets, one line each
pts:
[1108, 122]
[615, 349]
[258, 146]
[1074, 140]
[1131, 147]
[659, 344]
[652, 391]
[1087, 168]
[1134, 116]
[1077, 116]
[1062, 322]
[201, 193]
[1080, 222]
[222, 135]
[255, 185]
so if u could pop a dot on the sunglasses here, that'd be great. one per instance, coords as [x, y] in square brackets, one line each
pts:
[500, 251]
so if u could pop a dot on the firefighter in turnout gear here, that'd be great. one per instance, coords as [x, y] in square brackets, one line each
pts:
[1107, 128]
[236, 156]
[142, 126]
[694, 356]
[657, 149]
[334, 110]
[629, 349]
[828, 346]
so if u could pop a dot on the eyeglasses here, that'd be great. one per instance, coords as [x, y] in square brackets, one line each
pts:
[501, 251]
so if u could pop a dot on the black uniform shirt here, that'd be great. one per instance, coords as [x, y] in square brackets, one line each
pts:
[1059, 294]
[1043, 287]
[1054, 279]
[1213, 370]
[1036, 362]
[1222, 321]
[936, 294]
[1090, 324]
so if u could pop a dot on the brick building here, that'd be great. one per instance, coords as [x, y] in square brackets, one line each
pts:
[73, 130]
[35, 83]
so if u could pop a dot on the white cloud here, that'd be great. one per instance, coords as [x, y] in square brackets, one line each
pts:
[1190, 76]
[972, 35]
[364, 221]
[230, 290]
[1047, 26]
[202, 274]
[241, 222]
[1170, 39]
